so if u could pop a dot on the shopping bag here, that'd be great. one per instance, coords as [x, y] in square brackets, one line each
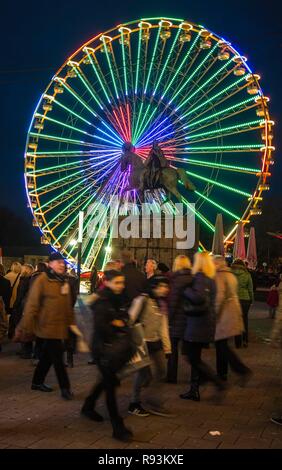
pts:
[141, 358]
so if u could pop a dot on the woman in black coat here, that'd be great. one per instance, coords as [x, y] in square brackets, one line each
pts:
[200, 323]
[179, 280]
[112, 348]
[18, 308]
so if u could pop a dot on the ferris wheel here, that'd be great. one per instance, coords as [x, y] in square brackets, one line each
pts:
[155, 78]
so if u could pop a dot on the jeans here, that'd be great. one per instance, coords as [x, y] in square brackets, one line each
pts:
[108, 383]
[172, 363]
[198, 368]
[226, 356]
[245, 305]
[51, 353]
[151, 376]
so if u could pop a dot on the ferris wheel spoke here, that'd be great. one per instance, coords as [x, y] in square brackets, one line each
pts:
[66, 166]
[221, 185]
[223, 114]
[98, 73]
[84, 80]
[110, 66]
[64, 194]
[103, 217]
[223, 148]
[200, 88]
[211, 201]
[217, 95]
[61, 139]
[67, 87]
[218, 81]
[63, 124]
[176, 73]
[71, 223]
[146, 81]
[67, 180]
[164, 67]
[192, 75]
[66, 108]
[220, 166]
[225, 131]
[200, 216]
[65, 213]
[58, 200]
[167, 87]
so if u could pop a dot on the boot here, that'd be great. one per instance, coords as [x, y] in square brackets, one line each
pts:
[91, 414]
[192, 394]
[120, 432]
[67, 394]
[70, 359]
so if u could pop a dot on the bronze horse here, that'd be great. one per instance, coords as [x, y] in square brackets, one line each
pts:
[168, 178]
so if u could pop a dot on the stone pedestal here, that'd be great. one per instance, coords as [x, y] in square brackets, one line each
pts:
[162, 249]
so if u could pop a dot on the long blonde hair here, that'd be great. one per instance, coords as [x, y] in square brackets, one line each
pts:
[27, 270]
[16, 267]
[181, 262]
[204, 263]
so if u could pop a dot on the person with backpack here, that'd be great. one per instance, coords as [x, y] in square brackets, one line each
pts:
[179, 280]
[151, 311]
[200, 324]
[112, 348]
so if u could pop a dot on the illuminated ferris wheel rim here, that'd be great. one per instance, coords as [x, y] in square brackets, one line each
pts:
[118, 33]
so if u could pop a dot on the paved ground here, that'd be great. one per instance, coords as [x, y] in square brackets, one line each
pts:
[34, 420]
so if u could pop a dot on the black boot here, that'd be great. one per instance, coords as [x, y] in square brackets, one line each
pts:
[91, 414]
[192, 394]
[120, 432]
[67, 394]
[70, 359]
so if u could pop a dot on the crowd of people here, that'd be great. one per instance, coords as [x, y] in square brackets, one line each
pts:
[181, 311]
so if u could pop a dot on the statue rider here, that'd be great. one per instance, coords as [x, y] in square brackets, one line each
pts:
[154, 164]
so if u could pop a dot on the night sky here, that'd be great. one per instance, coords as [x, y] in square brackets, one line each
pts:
[37, 37]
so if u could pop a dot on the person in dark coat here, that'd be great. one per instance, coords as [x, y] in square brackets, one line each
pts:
[93, 280]
[200, 324]
[112, 349]
[18, 308]
[179, 279]
[5, 296]
[135, 280]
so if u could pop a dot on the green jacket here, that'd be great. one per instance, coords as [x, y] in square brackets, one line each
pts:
[245, 283]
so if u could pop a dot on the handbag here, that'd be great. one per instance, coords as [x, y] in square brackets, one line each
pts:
[141, 357]
[116, 354]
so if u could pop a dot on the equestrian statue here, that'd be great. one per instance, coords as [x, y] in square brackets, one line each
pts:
[153, 173]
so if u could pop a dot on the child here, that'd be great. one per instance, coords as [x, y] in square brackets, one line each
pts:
[272, 300]
[150, 310]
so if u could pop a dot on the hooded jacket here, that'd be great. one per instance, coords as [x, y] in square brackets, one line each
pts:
[245, 283]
